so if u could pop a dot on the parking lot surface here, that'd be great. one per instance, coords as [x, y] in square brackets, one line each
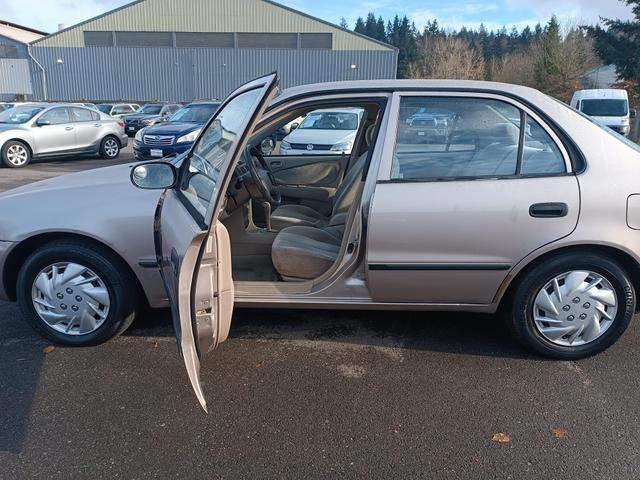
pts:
[295, 394]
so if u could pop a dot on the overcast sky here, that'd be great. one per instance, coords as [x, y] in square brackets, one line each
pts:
[47, 14]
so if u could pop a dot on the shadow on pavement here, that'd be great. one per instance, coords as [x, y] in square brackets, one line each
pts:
[460, 333]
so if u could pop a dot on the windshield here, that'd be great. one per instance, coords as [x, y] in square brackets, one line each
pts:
[20, 114]
[195, 113]
[211, 152]
[150, 109]
[330, 121]
[105, 108]
[603, 107]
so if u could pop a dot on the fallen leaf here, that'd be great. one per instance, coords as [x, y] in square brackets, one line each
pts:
[559, 432]
[501, 438]
[260, 364]
[48, 349]
[155, 344]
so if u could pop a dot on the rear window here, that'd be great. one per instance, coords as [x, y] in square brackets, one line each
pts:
[105, 108]
[150, 109]
[604, 107]
[195, 113]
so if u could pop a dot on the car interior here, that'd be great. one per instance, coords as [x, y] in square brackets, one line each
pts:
[287, 215]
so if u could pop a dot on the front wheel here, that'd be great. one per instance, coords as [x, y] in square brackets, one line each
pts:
[76, 294]
[15, 154]
[573, 306]
[109, 148]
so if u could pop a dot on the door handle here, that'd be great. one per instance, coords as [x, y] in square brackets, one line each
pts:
[548, 210]
[68, 128]
[97, 125]
[276, 163]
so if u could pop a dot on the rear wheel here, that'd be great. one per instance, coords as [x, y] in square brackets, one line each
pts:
[573, 306]
[110, 147]
[15, 154]
[76, 294]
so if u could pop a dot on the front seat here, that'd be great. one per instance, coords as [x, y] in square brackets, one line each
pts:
[301, 215]
[305, 253]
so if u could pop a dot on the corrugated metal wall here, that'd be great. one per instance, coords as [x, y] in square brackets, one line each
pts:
[181, 74]
[15, 75]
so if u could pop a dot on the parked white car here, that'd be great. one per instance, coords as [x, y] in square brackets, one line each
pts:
[607, 106]
[324, 132]
[118, 110]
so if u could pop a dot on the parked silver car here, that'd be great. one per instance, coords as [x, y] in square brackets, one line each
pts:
[50, 130]
[537, 217]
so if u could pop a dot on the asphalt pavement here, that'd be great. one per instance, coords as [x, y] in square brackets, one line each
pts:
[314, 394]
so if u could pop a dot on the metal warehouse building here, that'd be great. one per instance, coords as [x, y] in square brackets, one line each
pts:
[196, 49]
[15, 72]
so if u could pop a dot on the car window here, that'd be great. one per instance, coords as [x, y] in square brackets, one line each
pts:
[56, 116]
[18, 115]
[82, 115]
[122, 109]
[105, 108]
[540, 154]
[150, 109]
[200, 113]
[464, 137]
[320, 132]
[211, 151]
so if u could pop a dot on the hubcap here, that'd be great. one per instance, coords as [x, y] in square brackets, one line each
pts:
[70, 298]
[575, 308]
[111, 147]
[17, 155]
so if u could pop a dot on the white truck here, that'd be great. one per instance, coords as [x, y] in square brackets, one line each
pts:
[607, 106]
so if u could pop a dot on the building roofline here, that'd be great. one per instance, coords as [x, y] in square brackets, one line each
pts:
[83, 22]
[271, 2]
[22, 27]
[346, 30]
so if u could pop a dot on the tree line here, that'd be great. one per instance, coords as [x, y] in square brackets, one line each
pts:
[551, 57]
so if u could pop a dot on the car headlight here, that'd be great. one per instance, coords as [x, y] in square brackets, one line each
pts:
[189, 137]
[284, 145]
[342, 147]
[139, 135]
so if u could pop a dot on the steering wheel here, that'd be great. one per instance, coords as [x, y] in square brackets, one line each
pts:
[263, 177]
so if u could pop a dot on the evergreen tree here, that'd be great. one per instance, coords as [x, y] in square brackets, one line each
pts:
[548, 64]
[619, 43]
[343, 23]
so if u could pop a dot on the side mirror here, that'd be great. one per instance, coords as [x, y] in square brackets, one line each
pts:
[633, 113]
[294, 125]
[154, 175]
[41, 122]
[267, 146]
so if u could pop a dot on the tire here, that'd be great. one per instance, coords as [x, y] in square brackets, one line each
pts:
[15, 154]
[109, 147]
[116, 308]
[528, 297]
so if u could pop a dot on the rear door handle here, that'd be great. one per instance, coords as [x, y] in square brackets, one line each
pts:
[97, 125]
[68, 128]
[549, 210]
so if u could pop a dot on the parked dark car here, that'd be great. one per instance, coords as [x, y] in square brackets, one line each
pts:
[149, 114]
[176, 135]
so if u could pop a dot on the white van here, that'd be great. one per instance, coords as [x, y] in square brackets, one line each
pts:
[607, 106]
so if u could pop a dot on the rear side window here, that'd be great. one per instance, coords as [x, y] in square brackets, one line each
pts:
[82, 115]
[56, 116]
[458, 137]
[120, 109]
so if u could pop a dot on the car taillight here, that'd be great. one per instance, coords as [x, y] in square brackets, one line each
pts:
[121, 124]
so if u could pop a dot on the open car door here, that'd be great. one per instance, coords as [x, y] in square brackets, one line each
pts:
[192, 246]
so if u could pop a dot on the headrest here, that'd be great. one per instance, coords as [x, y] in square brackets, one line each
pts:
[507, 133]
